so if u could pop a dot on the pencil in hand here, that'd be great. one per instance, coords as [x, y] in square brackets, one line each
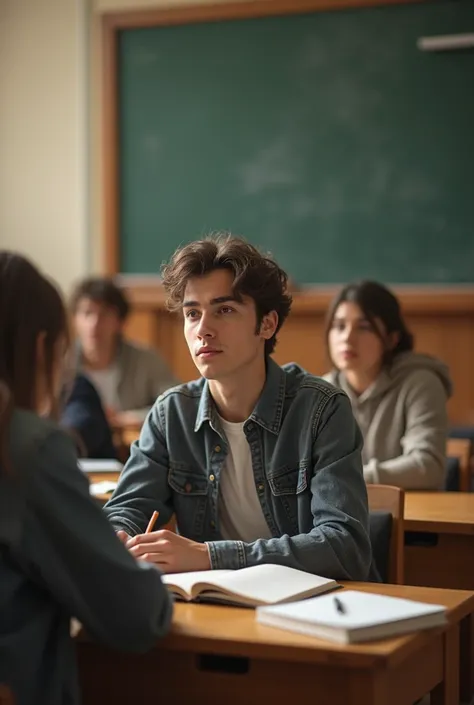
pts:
[152, 522]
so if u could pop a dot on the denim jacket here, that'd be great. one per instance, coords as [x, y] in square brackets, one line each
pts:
[306, 457]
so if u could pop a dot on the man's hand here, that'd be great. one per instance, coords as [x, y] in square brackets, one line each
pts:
[169, 551]
[123, 536]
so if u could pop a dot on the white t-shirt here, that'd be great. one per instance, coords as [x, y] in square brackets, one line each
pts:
[106, 383]
[240, 514]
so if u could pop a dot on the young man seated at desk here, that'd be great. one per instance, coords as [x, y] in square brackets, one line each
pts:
[127, 377]
[258, 463]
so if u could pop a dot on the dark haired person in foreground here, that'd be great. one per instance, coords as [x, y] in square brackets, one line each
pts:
[59, 557]
[258, 463]
[398, 396]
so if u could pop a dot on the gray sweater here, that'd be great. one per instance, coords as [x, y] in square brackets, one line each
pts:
[60, 558]
[404, 422]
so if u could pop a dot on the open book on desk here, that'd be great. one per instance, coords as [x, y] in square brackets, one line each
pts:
[352, 616]
[248, 587]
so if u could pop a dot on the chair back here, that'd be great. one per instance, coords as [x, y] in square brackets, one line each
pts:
[460, 448]
[451, 480]
[387, 511]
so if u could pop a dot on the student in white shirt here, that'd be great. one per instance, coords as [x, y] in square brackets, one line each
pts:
[126, 375]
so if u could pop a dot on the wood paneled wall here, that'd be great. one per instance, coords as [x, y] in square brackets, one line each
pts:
[442, 321]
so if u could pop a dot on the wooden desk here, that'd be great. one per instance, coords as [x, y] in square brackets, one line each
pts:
[103, 477]
[460, 612]
[440, 546]
[217, 655]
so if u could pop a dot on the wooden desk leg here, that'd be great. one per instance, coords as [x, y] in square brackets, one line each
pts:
[368, 688]
[466, 672]
[447, 692]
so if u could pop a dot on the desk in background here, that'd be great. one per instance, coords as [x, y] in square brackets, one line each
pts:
[126, 428]
[217, 654]
[439, 538]
[129, 434]
[96, 477]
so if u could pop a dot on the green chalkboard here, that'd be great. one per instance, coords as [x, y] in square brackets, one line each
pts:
[327, 138]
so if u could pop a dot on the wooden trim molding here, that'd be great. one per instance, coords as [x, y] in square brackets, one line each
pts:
[114, 22]
[110, 149]
[440, 318]
[426, 301]
[239, 9]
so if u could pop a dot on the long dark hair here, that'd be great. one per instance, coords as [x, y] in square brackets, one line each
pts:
[375, 301]
[30, 305]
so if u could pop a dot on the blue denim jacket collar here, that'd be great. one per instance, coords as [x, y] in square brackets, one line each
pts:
[206, 409]
[268, 410]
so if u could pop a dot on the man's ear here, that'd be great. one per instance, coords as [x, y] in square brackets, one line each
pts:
[269, 325]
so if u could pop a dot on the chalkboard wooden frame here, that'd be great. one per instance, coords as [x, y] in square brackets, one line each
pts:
[113, 23]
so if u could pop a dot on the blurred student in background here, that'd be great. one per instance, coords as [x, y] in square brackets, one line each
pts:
[398, 396]
[126, 376]
[59, 557]
[83, 415]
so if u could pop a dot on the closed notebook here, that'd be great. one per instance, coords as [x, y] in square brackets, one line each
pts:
[365, 616]
[258, 585]
[99, 465]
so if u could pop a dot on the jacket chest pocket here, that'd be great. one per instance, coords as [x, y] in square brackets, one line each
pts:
[289, 487]
[289, 481]
[186, 481]
[190, 491]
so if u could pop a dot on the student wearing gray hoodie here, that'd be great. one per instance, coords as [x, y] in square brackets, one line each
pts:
[59, 556]
[398, 396]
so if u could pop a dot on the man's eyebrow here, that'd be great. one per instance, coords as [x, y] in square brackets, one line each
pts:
[213, 302]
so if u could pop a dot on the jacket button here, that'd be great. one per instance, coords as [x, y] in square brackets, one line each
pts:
[249, 426]
[211, 478]
[261, 487]
[213, 524]
[188, 487]
[217, 449]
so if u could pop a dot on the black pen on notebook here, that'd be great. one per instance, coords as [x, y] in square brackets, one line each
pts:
[339, 606]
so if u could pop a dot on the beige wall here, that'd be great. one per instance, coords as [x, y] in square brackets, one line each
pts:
[43, 133]
[50, 179]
